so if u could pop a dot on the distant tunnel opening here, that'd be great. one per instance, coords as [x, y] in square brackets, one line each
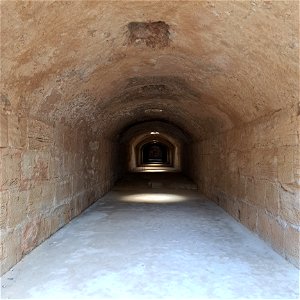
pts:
[154, 146]
[155, 153]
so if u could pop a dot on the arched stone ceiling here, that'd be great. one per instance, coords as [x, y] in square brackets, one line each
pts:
[205, 65]
[143, 131]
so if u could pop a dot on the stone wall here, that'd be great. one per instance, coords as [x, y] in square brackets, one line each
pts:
[254, 173]
[49, 174]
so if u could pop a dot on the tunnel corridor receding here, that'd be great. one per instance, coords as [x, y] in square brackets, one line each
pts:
[85, 83]
[164, 241]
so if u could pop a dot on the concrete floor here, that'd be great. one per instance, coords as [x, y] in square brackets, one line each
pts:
[145, 242]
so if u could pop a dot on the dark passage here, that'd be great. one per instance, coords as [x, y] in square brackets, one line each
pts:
[155, 153]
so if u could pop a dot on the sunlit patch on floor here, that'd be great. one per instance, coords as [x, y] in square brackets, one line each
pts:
[155, 169]
[153, 198]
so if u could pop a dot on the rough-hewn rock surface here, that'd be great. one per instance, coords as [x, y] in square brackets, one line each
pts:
[76, 74]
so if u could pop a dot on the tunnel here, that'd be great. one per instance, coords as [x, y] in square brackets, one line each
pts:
[157, 100]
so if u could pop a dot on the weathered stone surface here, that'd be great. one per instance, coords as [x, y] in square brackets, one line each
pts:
[3, 130]
[290, 207]
[30, 235]
[14, 132]
[272, 198]
[261, 176]
[4, 199]
[10, 168]
[40, 135]
[248, 215]
[16, 208]
[202, 54]
[291, 245]
[70, 88]
[11, 250]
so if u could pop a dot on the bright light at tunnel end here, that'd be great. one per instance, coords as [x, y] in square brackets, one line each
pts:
[154, 132]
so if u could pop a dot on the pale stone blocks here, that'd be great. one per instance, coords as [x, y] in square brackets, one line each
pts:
[34, 200]
[4, 199]
[14, 132]
[42, 185]
[248, 216]
[63, 189]
[291, 244]
[10, 162]
[40, 135]
[257, 168]
[290, 207]
[11, 250]
[272, 198]
[3, 130]
[16, 208]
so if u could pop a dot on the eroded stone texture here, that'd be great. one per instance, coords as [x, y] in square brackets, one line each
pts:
[251, 173]
[46, 180]
[238, 58]
[76, 74]
[152, 34]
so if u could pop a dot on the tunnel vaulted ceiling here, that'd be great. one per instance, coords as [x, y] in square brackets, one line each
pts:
[206, 66]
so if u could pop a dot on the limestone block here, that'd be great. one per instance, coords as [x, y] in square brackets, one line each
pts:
[10, 163]
[232, 142]
[288, 135]
[231, 184]
[67, 213]
[246, 163]
[289, 207]
[255, 192]
[264, 225]
[3, 130]
[234, 209]
[241, 188]
[63, 189]
[297, 166]
[286, 172]
[35, 232]
[265, 162]
[48, 194]
[78, 183]
[35, 200]
[277, 235]
[24, 134]
[17, 207]
[248, 216]
[272, 198]
[69, 139]
[14, 132]
[68, 164]
[291, 243]
[40, 135]
[41, 167]
[30, 235]
[56, 166]
[287, 158]
[11, 250]
[77, 200]
[4, 199]
[28, 164]
[44, 229]
[58, 217]
[54, 223]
